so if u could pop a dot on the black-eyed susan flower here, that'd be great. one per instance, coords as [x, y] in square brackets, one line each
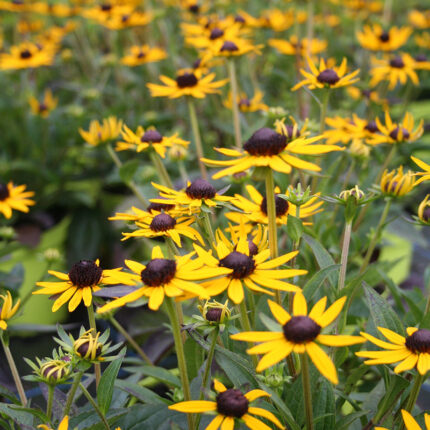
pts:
[296, 47]
[281, 20]
[274, 149]
[246, 104]
[156, 224]
[395, 183]
[136, 215]
[397, 69]
[424, 211]
[230, 406]
[14, 198]
[367, 94]
[7, 309]
[246, 267]
[142, 139]
[400, 132]
[28, 55]
[425, 176]
[142, 54]
[98, 133]
[301, 333]
[44, 107]
[187, 83]
[125, 19]
[233, 47]
[165, 277]
[375, 38]
[83, 279]
[419, 19]
[64, 425]
[326, 77]
[410, 422]
[423, 41]
[412, 351]
[196, 194]
[255, 210]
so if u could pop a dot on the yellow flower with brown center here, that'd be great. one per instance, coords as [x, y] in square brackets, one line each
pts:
[84, 278]
[14, 197]
[230, 406]
[412, 351]
[187, 83]
[108, 129]
[366, 94]
[197, 193]
[246, 267]
[425, 176]
[281, 20]
[142, 54]
[7, 309]
[142, 140]
[423, 40]
[165, 277]
[232, 47]
[300, 333]
[125, 19]
[375, 38]
[246, 104]
[400, 132]
[255, 210]
[274, 149]
[326, 77]
[297, 47]
[410, 422]
[28, 55]
[398, 69]
[44, 107]
[396, 183]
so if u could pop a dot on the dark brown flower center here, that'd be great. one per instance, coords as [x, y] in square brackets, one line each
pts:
[214, 314]
[328, 76]
[125, 18]
[216, 33]
[390, 187]
[426, 214]
[265, 141]
[158, 207]
[186, 80]
[151, 136]
[162, 222]
[158, 271]
[239, 19]
[395, 134]
[397, 63]
[232, 403]
[229, 46]
[25, 54]
[290, 132]
[253, 248]
[244, 102]
[86, 273]
[241, 264]
[419, 341]
[200, 189]
[366, 93]
[281, 206]
[372, 127]
[58, 372]
[4, 192]
[194, 8]
[42, 107]
[301, 329]
[106, 7]
[84, 348]
[420, 58]
[384, 36]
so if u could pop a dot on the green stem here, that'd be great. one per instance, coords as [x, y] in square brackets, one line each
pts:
[197, 138]
[72, 392]
[131, 184]
[307, 395]
[171, 248]
[386, 162]
[413, 395]
[130, 340]
[375, 237]
[171, 311]
[323, 111]
[95, 406]
[161, 170]
[386, 17]
[14, 372]
[92, 321]
[246, 326]
[235, 106]
[344, 256]
[50, 400]
[208, 227]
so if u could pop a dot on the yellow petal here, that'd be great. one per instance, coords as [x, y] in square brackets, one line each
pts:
[281, 315]
[339, 340]
[194, 406]
[255, 394]
[274, 357]
[322, 362]
[266, 414]
[254, 423]
[219, 386]
[257, 336]
[215, 423]
[299, 305]
[228, 424]
[407, 364]
[331, 313]
[75, 300]
[410, 423]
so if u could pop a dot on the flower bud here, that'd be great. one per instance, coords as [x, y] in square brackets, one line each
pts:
[214, 312]
[87, 346]
[55, 371]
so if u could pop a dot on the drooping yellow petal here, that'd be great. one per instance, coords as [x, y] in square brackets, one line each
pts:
[254, 423]
[194, 406]
[255, 394]
[228, 424]
[407, 364]
[339, 340]
[322, 362]
[274, 357]
[266, 414]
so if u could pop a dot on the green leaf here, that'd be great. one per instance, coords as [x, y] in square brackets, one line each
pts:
[394, 389]
[294, 228]
[107, 381]
[20, 417]
[324, 405]
[381, 312]
[345, 422]
[127, 170]
[141, 393]
[194, 357]
[313, 285]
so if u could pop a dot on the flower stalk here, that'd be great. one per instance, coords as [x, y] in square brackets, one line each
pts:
[161, 170]
[94, 404]
[50, 401]
[344, 256]
[413, 395]
[307, 395]
[72, 392]
[92, 321]
[235, 107]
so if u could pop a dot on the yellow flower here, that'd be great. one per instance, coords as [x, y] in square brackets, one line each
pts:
[7, 310]
[64, 425]
[392, 132]
[367, 94]
[419, 19]
[246, 104]
[326, 77]
[44, 107]
[412, 351]
[98, 133]
[246, 266]
[164, 277]
[142, 54]
[84, 278]
[301, 333]
[229, 406]
[232, 47]
[186, 84]
[14, 197]
[397, 184]
[424, 210]
[423, 40]
[150, 138]
[302, 47]
[28, 55]
[279, 20]
[425, 176]
[126, 19]
[375, 38]
[395, 70]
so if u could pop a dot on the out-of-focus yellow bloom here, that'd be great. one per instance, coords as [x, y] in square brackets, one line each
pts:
[143, 54]
[424, 210]
[396, 183]
[425, 176]
[246, 104]
[419, 19]
[28, 55]
[45, 106]
[423, 41]
[14, 197]
[7, 310]
[98, 132]
[375, 38]
[366, 94]
[279, 20]
[302, 47]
